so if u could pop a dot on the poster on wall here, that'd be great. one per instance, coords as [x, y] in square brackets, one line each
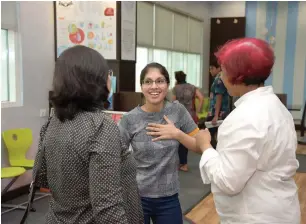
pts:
[128, 30]
[88, 23]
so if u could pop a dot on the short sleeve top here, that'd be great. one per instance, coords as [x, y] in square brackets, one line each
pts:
[185, 94]
[157, 162]
[218, 88]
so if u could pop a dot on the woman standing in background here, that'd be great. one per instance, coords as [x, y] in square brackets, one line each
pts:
[186, 94]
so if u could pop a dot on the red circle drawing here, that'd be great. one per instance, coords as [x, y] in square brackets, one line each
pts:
[77, 37]
[109, 12]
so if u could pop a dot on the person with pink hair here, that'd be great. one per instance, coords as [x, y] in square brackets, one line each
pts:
[252, 169]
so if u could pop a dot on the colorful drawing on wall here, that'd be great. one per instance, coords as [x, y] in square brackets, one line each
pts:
[109, 12]
[88, 23]
[90, 35]
[76, 35]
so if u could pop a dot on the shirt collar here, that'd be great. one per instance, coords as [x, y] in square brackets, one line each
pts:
[266, 90]
[217, 76]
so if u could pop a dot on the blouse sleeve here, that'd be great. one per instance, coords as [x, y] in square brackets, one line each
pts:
[236, 161]
[124, 131]
[40, 173]
[188, 125]
[104, 175]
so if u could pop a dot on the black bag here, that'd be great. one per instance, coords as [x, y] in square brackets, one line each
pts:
[32, 191]
[36, 183]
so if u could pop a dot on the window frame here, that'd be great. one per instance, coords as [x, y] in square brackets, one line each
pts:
[5, 65]
[14, 71]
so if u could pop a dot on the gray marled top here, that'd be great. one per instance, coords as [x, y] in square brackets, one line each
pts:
[185, 94]
[157, 162]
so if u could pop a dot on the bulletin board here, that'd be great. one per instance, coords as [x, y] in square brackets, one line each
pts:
[88, 23]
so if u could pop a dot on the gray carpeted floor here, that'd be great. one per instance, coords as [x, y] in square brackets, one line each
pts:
[192, 191]
[302, 160]
[38, 217]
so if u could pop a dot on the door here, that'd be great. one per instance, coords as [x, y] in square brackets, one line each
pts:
[223, 30]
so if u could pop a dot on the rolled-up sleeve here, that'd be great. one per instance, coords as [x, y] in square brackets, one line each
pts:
[104, 176]
[208, 155]
[235, 162]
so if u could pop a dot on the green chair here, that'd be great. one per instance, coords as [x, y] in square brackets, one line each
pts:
[12, 173]
[18, 142]
[205, 108]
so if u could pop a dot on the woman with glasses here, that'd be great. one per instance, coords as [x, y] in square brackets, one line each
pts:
[157, 161]
[186, 94]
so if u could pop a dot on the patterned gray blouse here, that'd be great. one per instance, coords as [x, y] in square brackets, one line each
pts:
[157, 162]
[89, 170]
[185, 94]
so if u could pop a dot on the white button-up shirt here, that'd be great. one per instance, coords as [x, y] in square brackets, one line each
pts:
[251, 171]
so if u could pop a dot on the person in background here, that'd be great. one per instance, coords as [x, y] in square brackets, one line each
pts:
[219, 106]
[186, 93]
[252, 170]
[157, 158]
[88, 169]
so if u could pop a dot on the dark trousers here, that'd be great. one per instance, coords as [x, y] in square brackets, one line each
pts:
[165, 210]
[213, 133]
[183, 154]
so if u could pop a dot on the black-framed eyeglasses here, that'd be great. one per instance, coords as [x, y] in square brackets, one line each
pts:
[158, 82]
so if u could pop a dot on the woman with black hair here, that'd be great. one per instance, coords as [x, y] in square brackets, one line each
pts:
[186, 94]
[88, 169]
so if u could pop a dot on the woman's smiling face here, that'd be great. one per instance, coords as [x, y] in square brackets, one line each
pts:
[154, 86]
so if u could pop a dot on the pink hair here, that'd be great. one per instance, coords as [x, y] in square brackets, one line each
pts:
[246, 59]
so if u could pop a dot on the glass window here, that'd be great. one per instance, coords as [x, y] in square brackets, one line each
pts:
[199, 70]
[177, 65]
[142, 61]
[5, 66]
[9, 80]
[193, 69]
[161, 57]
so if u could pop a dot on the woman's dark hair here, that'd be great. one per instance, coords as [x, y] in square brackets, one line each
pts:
[79, 82]
[180, 77]
[158, 66]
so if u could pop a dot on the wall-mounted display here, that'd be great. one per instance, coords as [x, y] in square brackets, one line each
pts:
[88, 23]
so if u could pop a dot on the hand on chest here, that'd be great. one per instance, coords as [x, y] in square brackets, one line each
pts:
[156, 127]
